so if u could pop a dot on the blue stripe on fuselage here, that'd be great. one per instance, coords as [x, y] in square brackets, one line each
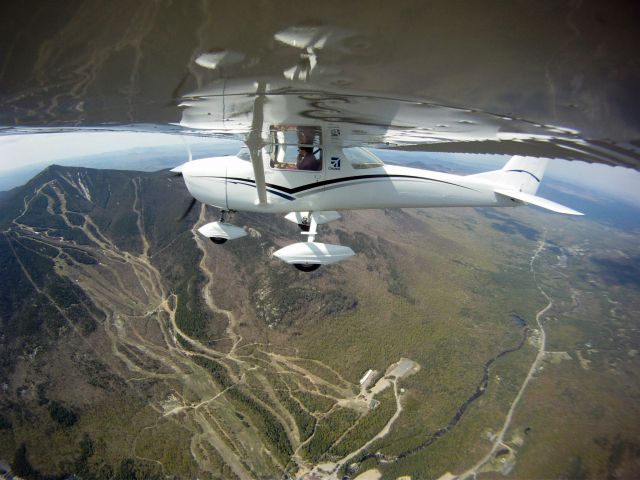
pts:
[286, 192]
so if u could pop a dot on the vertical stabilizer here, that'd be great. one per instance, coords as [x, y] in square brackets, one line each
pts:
[522, 174]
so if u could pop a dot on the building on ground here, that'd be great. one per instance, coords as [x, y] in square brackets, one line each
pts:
[367, 378]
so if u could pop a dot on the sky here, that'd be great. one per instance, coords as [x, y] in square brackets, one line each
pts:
[20, 151]
[619, 183]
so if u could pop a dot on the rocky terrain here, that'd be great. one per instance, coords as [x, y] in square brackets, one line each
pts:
[132, 347]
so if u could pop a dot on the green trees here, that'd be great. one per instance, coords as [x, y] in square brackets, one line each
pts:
[20, 465]
[329, 429]
[61, 414]
[367, 426]
[265, 422]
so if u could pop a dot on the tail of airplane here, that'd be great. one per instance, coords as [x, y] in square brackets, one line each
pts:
[522, 174]
[519, 180]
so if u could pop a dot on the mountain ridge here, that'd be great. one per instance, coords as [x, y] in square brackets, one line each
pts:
[133, 347]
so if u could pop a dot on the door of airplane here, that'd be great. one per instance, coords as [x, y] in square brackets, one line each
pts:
[295, 163]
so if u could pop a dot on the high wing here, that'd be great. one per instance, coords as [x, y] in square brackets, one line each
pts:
[592, 151]
[228, 108]
[246, 109]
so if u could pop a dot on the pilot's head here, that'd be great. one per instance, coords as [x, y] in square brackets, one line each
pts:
[306, 134]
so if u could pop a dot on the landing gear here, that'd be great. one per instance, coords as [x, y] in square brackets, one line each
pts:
[307, 267]
[221, 231]
[223, 218]
[305, 221]
[310, 255]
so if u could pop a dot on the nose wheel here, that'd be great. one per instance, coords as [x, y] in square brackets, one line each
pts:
[309, 227]
[223, 218]
[305, 223]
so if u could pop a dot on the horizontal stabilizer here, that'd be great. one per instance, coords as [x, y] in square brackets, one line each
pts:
[320, 217]
[537, 201]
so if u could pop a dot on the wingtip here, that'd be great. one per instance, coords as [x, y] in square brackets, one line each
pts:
[538, 201]
[569, 211]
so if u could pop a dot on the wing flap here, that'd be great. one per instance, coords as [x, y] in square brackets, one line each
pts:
[537, 201]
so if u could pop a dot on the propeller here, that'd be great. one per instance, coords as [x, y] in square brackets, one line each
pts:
[188, 209]
[177, 171]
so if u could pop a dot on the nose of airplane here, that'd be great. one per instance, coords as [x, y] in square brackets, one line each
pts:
[210, 167]
[206, 180]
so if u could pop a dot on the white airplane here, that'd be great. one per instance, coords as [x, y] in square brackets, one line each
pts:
[307, 173]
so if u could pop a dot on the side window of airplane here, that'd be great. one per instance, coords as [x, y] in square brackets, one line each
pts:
[296, 148]
[361, 159]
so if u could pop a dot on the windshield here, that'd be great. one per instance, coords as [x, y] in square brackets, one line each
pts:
[244, 154]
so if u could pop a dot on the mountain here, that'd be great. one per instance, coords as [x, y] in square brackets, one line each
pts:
[148, 159]
[96, 269]
[131, 347]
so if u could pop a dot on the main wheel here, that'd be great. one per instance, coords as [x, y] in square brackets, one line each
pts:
[218, 240]
[304, 227]
[307, 267]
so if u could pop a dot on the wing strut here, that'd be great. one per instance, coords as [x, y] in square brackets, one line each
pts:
[254, 142]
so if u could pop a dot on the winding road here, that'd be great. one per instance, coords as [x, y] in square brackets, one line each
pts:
[498, 442]
[140, 327]
[139, 334]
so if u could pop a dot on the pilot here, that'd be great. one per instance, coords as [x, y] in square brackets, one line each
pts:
[307, 160]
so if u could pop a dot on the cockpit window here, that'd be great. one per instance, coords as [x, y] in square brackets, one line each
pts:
[296, 148]
[361, 158]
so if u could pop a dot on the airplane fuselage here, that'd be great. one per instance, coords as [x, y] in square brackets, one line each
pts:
[228, 183]
[310, 191]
